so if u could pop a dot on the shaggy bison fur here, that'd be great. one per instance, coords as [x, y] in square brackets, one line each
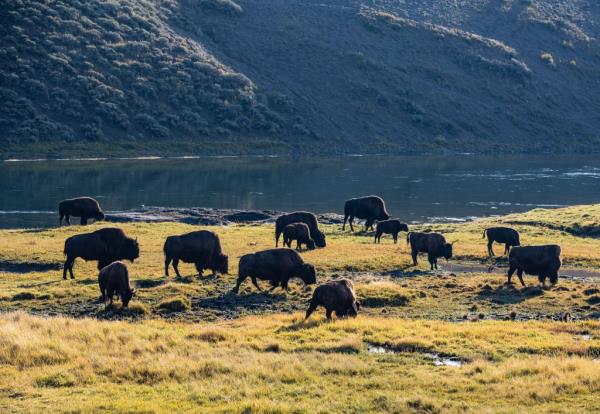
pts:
[203, 248]
[84, 207]
[542, 261]
[370, 209]
[300, 217]
[112, 279]
[277, 266]
[392, 227]
[299, 232]
[509, 237]
[105, 245]
[337, 296]
[434, 244]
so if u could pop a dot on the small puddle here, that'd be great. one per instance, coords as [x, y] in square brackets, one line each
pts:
[465, 267]
[437, 359]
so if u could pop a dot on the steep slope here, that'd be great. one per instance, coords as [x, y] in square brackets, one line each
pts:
[319, 76]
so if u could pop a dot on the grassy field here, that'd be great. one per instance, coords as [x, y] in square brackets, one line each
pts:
[191, 345]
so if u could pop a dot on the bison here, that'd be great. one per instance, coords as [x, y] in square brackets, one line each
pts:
[337, 296]
[299, 232]
[202, 248]
[112, 279]
[506, 235]
[300, 217]
[370, 208]
[392, 227]
[542, 261]
[434, 244]
[105, 245]
[277, 266]
[84, 207]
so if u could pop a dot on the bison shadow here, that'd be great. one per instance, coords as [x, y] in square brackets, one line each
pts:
[231, 300]
[26, 267]
[508, 294]
[404, 272]
[149, 283]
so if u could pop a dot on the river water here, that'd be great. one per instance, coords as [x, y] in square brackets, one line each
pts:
[416, 189]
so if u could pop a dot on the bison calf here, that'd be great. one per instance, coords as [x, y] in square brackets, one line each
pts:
[434, 244]
[203, 248]
[84, 207]
[112, 279]
[299, 232]
[392, 227]
[540, 261]
[300, 217]
[509, 237]
[277, 266]
[337, 296]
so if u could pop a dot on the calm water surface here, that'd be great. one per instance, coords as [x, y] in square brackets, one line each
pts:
[415, 188]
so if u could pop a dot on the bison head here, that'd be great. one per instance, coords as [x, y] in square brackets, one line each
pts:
[448, 251]
[554, 278]
[383, 216]
[319, 238]
[130, 250]
[353, 310]
[126, 297]
[99, 216]
[403, 227]
[222, 264]
[308, 274]
[310, 244]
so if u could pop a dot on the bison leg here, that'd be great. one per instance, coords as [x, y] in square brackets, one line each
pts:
[255, 283]
[520, 274]
[328, 313]
[376, 237]
[506, 249]
[350, 222]
[432, 260]
[490, 248]
[511, 271]
[176, 267]
[311, 308]
[68, 219]
[240, 279]
[68, 266]
[414, 257]
[60, 219]
[199, 269]
[344, 225]
[84, 220]
[167, 263]
[395, 235]
[277, 234]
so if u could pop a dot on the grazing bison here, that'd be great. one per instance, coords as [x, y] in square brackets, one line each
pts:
[202, 248]
[84, 207]
[337, 296]
[370, 209]
[105, 245]
[542, 261]
[506, 235]
[299, 232]
[112, 279]
[392, 227]
[300, 217]
[277, 266]
[434, 244]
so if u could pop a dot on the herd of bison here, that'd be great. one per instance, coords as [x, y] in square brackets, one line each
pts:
[109, 246]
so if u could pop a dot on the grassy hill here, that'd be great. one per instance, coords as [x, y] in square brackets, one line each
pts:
[305, 76]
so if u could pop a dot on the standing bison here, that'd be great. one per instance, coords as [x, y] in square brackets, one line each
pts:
[112, 279]
[299, 232]
[434, 244]
[84, 207]
[392, 227]
[105, 245]
[277, 266]
[202, 248]
[337, 296]
[300, 217]
[509, 237]
[370, 209]
[542, 261]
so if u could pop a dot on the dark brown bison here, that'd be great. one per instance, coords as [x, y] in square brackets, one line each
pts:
[370, 209]
[299, 232]
[203, 248]
[277, 266]
[337, 296]
[105, 245]
[509, 237]
[300, 217]
[540, 261]
[112, 279]
[434, 244]
[392, 227]
[84, 207]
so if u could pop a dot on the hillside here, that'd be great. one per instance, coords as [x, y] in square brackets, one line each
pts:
[306, 76]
